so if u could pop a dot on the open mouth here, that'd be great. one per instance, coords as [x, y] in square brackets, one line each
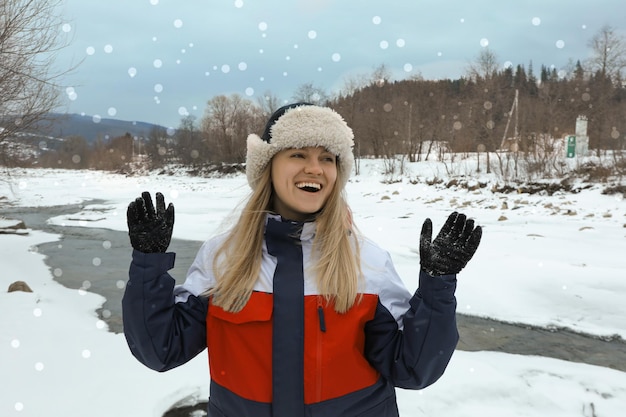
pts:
[310, 187]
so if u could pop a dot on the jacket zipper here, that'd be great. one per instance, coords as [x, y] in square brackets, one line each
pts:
[318, 356]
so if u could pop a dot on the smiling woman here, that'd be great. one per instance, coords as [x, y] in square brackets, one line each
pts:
[303, 180]
[300, 313]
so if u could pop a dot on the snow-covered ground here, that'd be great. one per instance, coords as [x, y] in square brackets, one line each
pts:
[544, 260]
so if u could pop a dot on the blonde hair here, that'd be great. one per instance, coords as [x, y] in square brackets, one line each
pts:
[337, 268]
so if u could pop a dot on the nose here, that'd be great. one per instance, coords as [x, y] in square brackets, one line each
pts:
[313, 167]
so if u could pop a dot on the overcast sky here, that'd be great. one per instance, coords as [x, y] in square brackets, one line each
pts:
[159, 60]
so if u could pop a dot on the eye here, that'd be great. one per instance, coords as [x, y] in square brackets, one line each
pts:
[328, 158]
[297, 155]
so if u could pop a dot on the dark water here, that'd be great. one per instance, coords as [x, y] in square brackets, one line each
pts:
[98, 260]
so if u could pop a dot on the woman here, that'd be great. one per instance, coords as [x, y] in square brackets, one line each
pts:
[301, 315]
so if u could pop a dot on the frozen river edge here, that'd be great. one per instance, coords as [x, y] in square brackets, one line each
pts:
[75, 253]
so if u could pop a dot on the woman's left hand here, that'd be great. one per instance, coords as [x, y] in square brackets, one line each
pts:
[453, 247]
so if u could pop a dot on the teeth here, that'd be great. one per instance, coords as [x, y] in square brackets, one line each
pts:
[308, 185]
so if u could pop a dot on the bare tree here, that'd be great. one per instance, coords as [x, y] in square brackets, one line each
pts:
[609, 54]
[309, 93]
[268, 104]
[381, 75]
[485, 65]
[30, 38]
[226, 124]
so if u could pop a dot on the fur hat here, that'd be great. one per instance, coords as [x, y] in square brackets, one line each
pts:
[300, 125]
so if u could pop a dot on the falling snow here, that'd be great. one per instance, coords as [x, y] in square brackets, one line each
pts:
[542, 266]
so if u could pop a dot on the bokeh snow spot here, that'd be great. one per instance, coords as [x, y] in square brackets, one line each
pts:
[536, 21]
[19, 406]
[400, 43]
[90, 50]
[239, 4]
[121, 284]
[112, 111]
[57, 272]
[66, 28]
[242, 66]
[106, 244]
[336, 57]
[39, 366]
[312, 34]
[108, 49]
[262, 26]
[157, 63]
[132, 71]
[484, 42]
[96, 261]
[225, 68]
[376, 20]
[86, 353]
[560, 44]
[37, 312]
[71, 93]
[614, 133]
[384, 44]
[15, 343]
[178, 23]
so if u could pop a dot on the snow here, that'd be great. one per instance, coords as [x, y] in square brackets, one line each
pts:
[556, 261]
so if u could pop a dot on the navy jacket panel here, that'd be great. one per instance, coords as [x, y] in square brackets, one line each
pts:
[378, 400]
[416, 356]
[161, 333]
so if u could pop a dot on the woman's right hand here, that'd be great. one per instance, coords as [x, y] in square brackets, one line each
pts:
[150, 230]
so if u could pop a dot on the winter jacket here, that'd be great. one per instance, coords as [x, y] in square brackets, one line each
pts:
[287, 353]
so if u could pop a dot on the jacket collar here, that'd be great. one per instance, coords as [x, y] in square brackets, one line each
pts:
[308, 228]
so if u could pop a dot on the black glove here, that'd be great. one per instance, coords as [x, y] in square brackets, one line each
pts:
[150, 231]
[453, 247]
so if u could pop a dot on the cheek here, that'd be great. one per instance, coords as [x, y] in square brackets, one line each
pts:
[332, 176]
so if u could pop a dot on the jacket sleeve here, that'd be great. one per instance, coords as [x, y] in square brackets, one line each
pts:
[416, 355]
[163, 330]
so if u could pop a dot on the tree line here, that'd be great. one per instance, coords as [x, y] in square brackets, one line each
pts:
[491, 109]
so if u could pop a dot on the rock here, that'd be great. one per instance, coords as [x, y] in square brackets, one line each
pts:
[19, 286]
[13, 227]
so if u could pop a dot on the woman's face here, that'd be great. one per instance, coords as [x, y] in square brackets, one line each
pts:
[303, 179]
